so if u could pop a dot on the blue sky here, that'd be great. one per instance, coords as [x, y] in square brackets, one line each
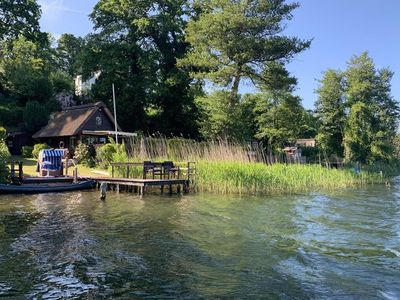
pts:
[339, 29]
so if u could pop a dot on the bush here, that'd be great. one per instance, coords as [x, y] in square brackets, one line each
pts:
[35, 116]
[3, 134]
[105, 155]
[4, 156]
[37, 148]
[27, 151]
[85, 155]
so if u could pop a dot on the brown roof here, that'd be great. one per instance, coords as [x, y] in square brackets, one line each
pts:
[70, 121]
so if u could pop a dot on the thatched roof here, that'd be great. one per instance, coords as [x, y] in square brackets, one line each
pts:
[72, 120]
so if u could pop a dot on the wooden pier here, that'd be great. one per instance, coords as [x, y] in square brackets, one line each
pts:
[162, 176]
[140, 185]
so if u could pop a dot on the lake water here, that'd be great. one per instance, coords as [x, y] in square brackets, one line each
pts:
[337, 245]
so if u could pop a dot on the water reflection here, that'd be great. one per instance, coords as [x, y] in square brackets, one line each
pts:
[201, 246]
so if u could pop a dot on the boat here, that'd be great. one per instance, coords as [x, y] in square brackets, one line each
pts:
[46, 188]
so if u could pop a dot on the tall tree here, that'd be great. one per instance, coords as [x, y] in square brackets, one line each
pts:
[68, 50]
[26, 68]
[20, 17]
[232, 40]
[137, 47]
[373, 109]
[279, 114]
[330, 109]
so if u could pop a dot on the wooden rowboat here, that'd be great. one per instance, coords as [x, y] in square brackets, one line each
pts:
[44, 188]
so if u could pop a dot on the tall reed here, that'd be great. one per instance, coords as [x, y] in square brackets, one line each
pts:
[230, 167]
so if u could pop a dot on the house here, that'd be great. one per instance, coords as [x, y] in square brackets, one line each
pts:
[89, 123]
[305, 142]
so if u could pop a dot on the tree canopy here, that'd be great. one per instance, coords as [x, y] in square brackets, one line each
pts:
[232, 40]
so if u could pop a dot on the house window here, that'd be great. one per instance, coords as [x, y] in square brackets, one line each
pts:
[99, 121]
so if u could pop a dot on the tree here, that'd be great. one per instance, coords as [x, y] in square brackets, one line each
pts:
[68, 51]
[26, 68]
[35, 116]
[232, 40]
[219, 120]
[137, 47]
[330, 110]
[279, 120]
[20, 17]
[373, 111]
[279, 114]
[359, 133]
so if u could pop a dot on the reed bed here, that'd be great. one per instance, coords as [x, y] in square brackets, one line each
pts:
[229, 167]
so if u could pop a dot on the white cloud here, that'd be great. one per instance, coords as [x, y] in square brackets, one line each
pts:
[53, 9]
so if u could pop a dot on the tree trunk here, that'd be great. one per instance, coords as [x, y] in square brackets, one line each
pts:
[235, 87]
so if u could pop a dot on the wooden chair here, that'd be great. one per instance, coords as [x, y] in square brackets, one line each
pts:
[148, 167]
[169, 168]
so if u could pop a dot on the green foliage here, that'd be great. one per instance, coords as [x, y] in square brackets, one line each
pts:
[330, 108]
[39, 147]
[26, 67]
[104, 154]
[11, 115]
[3, 134]
[61, 82]
[233, 40]
[35, 116]
[373, 117]
[19, 17]
[279, 119]
[27, 151]
[137, 49]
[85, 154]
[218, 118]
[68, 51]
[4, 157]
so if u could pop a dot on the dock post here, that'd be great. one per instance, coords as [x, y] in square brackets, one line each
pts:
[20, 171]
[162, 189]
[170, 189]
[103, 191]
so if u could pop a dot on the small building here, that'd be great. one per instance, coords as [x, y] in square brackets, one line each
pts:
[305, 142]
[90, 123]
[16, 140]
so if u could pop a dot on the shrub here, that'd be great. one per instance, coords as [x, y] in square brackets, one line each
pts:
[85, 155]
[35, 116]
[3, 134]
[37, 148]
[27, 151]
[105, 155]
[4, 156]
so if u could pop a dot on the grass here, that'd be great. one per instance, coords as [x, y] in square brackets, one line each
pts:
[29, 167]
[258, 178]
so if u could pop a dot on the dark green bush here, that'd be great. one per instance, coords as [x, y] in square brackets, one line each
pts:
[35, 116]
[4, 157]
[37, 148]
[27, 151]
[3, 134]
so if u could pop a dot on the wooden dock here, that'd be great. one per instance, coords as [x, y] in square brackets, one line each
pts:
[173, 179]
[140, 185]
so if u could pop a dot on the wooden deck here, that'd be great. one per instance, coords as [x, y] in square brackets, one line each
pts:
[140, 185]
[182, 177]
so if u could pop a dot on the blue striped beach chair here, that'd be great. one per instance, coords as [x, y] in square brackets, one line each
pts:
[50, 160]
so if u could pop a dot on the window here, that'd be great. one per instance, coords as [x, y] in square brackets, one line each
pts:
[99, 121]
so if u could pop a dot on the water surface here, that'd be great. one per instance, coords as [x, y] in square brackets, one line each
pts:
[338, 245]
